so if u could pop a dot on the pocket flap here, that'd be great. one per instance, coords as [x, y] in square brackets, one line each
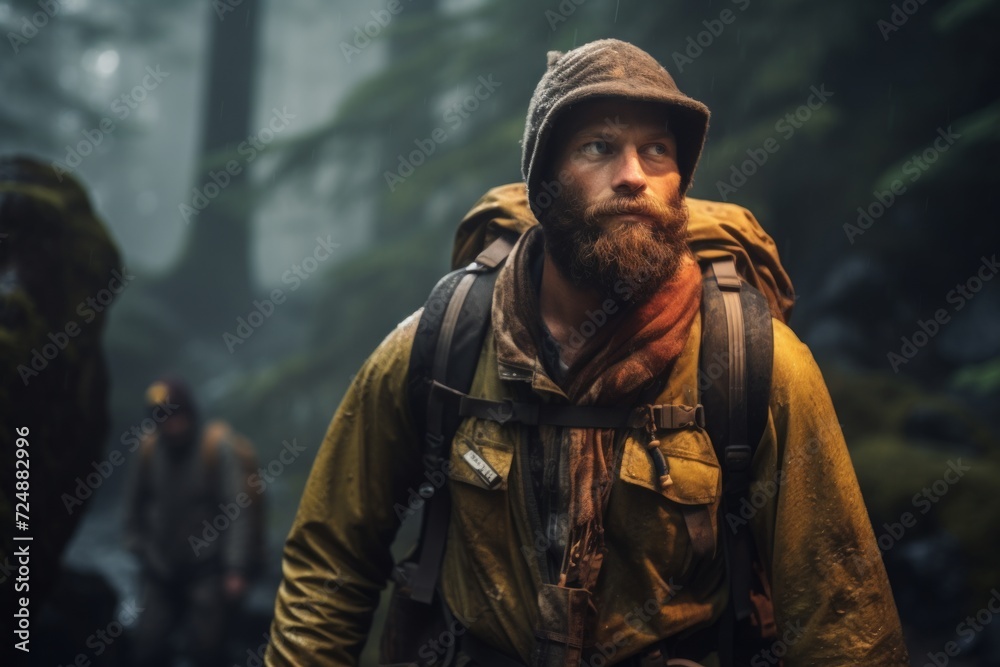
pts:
[479, 461]
[693, 468]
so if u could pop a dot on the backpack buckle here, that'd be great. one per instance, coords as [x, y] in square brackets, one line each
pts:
[738, 458]
[674, 417]
[516, 411]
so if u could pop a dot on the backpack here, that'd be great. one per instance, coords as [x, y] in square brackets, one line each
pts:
[743, 287]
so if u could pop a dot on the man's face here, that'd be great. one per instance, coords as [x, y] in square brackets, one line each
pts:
[176, 428]
[620, 223]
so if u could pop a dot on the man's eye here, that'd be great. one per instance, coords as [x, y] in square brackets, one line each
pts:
[596, 147]
[659, 149]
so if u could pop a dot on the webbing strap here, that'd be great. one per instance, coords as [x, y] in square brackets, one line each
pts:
[535, 414]
[495, 253]
[664, 416]
[439, 371]
[445, 353]
[737, 453]
[435, 532]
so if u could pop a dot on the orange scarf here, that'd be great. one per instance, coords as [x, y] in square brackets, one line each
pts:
[647, 340]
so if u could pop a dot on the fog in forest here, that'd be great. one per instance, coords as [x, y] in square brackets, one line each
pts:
[283, 182]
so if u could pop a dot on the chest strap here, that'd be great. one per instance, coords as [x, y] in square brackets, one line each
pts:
[662, 416]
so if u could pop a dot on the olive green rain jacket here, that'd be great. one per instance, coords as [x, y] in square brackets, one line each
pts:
[831, 597]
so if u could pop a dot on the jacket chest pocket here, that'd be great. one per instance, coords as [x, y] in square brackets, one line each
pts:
[479, 468]
[482, 463]
[696, 482]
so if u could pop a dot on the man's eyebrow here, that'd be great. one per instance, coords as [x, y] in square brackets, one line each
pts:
[605, 131]
[595, 128]
[659, 131]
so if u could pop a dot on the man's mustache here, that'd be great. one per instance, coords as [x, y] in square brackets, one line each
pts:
[630, 205]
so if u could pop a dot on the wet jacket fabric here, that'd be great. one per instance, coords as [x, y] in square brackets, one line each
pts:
[831, 596]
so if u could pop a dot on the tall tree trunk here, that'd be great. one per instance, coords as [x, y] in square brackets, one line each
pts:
[212, 280]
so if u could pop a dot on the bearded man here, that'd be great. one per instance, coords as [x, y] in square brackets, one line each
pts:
[568, 541]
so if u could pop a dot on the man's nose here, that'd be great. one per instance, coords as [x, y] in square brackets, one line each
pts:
[629, 175]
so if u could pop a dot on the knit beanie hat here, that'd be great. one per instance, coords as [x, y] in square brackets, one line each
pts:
[607, 68]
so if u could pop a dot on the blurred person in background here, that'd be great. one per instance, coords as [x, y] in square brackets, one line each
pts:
[195, 524]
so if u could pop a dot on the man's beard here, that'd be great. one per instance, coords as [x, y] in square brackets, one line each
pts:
[627, 261]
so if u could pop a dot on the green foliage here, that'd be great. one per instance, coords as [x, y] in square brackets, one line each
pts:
[890, 96]
[981, 378]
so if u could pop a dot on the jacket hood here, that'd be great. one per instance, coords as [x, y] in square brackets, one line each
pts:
[600, 69]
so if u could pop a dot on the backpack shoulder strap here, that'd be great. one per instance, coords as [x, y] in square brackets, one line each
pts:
[737, 348]
[734, 384]
[735, 389]
[446, 351]
[215, 436]
[147, 447]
